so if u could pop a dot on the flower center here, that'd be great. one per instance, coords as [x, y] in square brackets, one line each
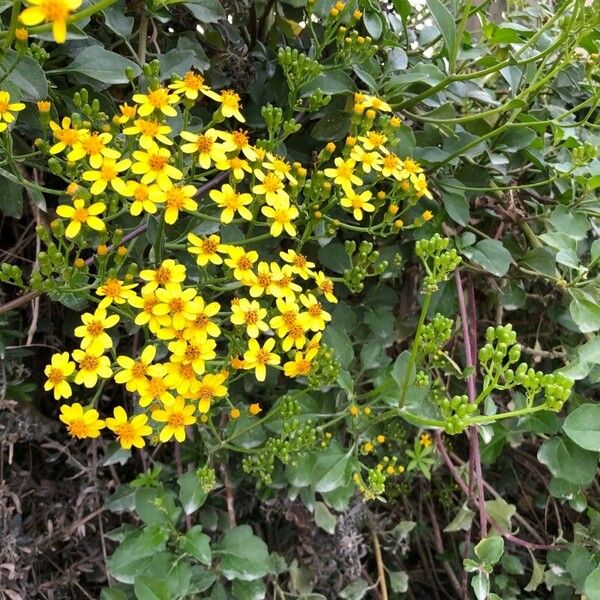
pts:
[95, 328]
[149, 128]
[176, 305]
[139, 370]
[262, 356]
[158, 98]
[108, 172]
[209, 246]
[230, 99]
[157, 162]
[176, 420]
[264, 280]
[252, 317]
[201, 321]
[175, 198]
[93, 144]
[204, 143]
[112, 288]
[289, 317]
[156, 387]
[162, 275]
[55, 376]
[244, 264]
[56, 10]
[80, 215]
[141, 193]
[77, 428]
[272, 183]
[67, 136]
[193, 81]
[192, 353]
[3, 107]
[125, 432]
[300, 261]
[239, 138]
[89, 363]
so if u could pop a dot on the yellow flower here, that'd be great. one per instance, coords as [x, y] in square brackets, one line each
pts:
[175, 416]
[254, 409]
[153, 165]
[57, 372]
[230, 105]
[260, 282]
[176, 198]
[81, 423]
[281, 218]
[202, 326]
[194, 353]
[420, 183]
[425, 440]
[250, 314]
[427, 216]
[410, 168]
[144, 197]
[180, 377]
[317, 316]
[210, 386]
[134, 372]
[127, 113]
[358, 203]
[391, 166]
[271, 187]
[129, 432]
[93, 145]
[114, 290]
[156, 100]
[108, 173]
[257, 357]
[231, 202]
[280, 167]
[149, 131]
[6, 110]
[300, 264]
[373, 140]
[301, 365]
[146, 302]
[376, 103]
[343, 174]
[167, 273]
[326, 286]
[93, 331]
[56, 12]
[235, 413]
[192, 84]
[283, 282]
[238, 140]
[91, 366]
[176, 304]
[236, 165]
[65, 135]
[156, 388]
[79, 214]
[367, 160]
[206, 145]
[207, 249]
[287, 317]
[240, 261]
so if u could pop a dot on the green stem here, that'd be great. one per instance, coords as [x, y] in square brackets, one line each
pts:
[14, 23]
[522, 412]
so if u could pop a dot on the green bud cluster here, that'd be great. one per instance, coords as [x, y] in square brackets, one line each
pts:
[317, 100]
[439, 262]
[295, 440]
[325, 368]
[456, 412]
[207, 477]
[584, 154]
[355, 46]
[421, 379]
[363, 264]
[91, 111]
[297, 67]
[11, 274]
[374, 486]
[38, 53]
[289, 407]
[434, 335]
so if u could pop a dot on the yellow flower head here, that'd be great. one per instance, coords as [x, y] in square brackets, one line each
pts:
[343, 174]
[176, 198]
[91, 367]
[129, 432]
[240, 261]
[206, 249]
[93, 331]
[57, 372]
[425, 440]
[420, 183]
[238, 141]
[149, 131]
[281, 218]
[316, 315]
[210, 386]
[108, 174]
[262, 281]
[230, 105]
[301, 365]
[205, 145]
[254, 409]
[202, 326]
[249, 313]
[191, 85]
[175, 417]
[56, 12]
[93, 145]
[358, 203]
[235, 413]
[153, 164]
[167, 273]
[231, 202]
[7, 108]
[134, 373]
[65, 135]
[81, 423]
[145, 197]
[326, 286]
[194, 353]
[257, 357]
[159, 100]
[175, 304]
[271, 187]
[300, 264]
[80, 215]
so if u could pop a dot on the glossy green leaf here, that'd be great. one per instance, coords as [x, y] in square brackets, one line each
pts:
[583, 426]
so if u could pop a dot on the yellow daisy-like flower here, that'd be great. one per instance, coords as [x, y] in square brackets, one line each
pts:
[376, 103]
[149, 131]
[176, 304]
[238, 166]
[146, 303]
[391, 166]
[153, 165]
[283, 282]
[192, 85]
[81, 215]
[195, 353]
[239, 141]
[420, 183]
[202, 326]
[181, 377]
[250, 314]
[358, 203]
[175, 416]
[94, 146]
[156, 100]
[326, 286]
[257, 357]
[301, 365]
[254, 409]
[129, 432]
[145, 197]
[317, 316]
[6, 110]
[373, 140]
[127, 113]
[366, 159]
[300, 264]
[343, 173]
[205, 145]
[281, 218]
[156, 388]
[65, 135]
[81, 423]
[240, 261]
[57, 372]
[56, 12]
[176, 198]
[231, 202]
[210, 386]
[271, 187]
[134, 373]
[93, 331]
[410, 168]
[206, 249]
[167, 273]
[114, 290]
[91, 367]
[262, 281]
[108, 174]
[280, 167]
[230, 105]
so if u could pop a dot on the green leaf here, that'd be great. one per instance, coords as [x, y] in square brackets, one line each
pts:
[243, 555]
[462, 520]
[11, 199]
[191, 494]
[341, 344]
[592, 585]
[116, 19]
[537, 576]
[491, 255]
[501, 511]
[355, 591]
[28, 76]
[516, 139]
[489, 550]
[373, 25]
[457, 207]
[332, 468]
[403, 368]
[249, 590]
[332, 127]
[584, 311]
[398, 581]
[568, 461]
[197, 544]
[206, 11]
[323, 518]
[330, 83]
[481, 586]
[102, 65]
[149, 588]
[583, 426]
[130, 556]
[445, 23]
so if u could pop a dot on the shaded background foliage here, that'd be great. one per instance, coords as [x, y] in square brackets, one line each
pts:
[503, 112]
